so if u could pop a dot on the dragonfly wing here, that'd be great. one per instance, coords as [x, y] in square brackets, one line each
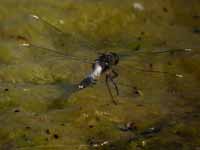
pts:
[153, 61]
[60, 40]
[50, 52]
[170, 71]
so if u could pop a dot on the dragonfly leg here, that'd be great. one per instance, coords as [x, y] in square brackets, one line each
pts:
[109, 90]
[115, 75]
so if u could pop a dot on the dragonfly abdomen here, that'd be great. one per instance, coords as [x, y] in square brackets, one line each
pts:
[92, 77]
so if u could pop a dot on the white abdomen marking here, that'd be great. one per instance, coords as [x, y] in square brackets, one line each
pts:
[95, 74]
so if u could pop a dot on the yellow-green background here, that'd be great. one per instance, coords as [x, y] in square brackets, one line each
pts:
[39, 108]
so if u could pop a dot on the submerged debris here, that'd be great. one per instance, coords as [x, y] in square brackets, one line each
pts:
[196, 30]
[97, 143]
[138, 47]
[55, 136]
[28, 127]
[150, 131]
[196, 17]
[138, 6]
[137, 92]
[130, 126]
[6, 89]
[165, 9]
[16, 110]
[47, 131]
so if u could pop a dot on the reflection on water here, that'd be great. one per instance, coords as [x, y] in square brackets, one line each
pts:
[40, 106]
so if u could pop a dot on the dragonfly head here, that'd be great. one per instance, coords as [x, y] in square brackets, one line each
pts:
[110, 58]
[115, 58]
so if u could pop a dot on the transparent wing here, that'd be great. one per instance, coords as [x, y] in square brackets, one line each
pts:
[78, 46]
[143, 65]
[46, 34]
[56, 53]
[163, 72]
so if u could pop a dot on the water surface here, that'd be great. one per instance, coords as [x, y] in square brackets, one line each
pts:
[40, 106]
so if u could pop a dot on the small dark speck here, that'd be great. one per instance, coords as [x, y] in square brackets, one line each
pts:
[28, 127]
[136, 92]
[138, 47]
[139, 38]
[55, 136]
[178, 133]
[6, 90]
[47, 131]
[169, 63]
[165, 9]
[151, 66]
[142, 33]
[196, 115]
[97, 118]
[26, 138]
[140, 105]
[91, 126]
[16, 110]
[36, 114]
[91, 141]
[196, 17]
[163, 43]
[196, 30]
[19, 37]
[62, 44]
[171, 23]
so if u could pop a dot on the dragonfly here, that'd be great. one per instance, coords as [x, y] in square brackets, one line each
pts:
[105, 62]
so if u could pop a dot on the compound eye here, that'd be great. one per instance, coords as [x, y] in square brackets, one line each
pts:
[116, 59]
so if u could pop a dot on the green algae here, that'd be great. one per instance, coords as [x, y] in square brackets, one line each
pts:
[39, 105]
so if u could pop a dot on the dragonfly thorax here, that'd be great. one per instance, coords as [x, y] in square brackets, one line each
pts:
[103, 63]
[108, 60]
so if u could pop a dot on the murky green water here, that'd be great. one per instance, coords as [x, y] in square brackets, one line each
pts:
[39, 106]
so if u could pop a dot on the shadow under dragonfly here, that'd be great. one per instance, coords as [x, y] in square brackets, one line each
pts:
[68, 90]
[55, 95]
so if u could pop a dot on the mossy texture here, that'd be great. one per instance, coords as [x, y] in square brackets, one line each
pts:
[40, 107]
